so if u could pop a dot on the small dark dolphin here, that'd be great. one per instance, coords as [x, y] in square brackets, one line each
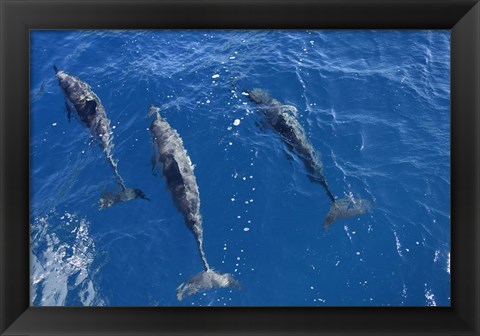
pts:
[91, 113]
[282, 119]
[172, 158]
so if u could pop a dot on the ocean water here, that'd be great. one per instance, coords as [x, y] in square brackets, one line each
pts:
[375, 105]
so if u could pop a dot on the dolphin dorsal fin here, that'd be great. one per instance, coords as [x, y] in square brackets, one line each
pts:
[290, 108]
[90, 107]
[173, 170]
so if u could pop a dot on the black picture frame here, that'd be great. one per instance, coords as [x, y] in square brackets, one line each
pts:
[17, 17]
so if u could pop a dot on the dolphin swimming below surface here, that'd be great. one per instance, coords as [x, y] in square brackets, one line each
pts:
[171, 157]
[91, 113]
[283, 120]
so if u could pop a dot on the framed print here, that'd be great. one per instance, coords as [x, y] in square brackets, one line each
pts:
[185, 167]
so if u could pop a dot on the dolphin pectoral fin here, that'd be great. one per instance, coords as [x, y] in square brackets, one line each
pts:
[156, 165]
[205, 281]
[69, 111]
[109, 199]
[345, 208]
[154, 171]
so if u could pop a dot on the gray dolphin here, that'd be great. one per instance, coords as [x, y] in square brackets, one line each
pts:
[283, 120]
[91, 113]
[171, 157]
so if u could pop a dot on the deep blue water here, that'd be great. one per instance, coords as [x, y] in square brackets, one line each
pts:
[374, 104]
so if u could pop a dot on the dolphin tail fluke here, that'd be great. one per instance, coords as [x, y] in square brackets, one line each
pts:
[109, 199]
[204, 281]
[126, 194]
[55, 68]
[345, 208]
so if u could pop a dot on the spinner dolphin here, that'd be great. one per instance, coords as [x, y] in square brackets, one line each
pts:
[282, 119]
[171, 157]
[91, 113]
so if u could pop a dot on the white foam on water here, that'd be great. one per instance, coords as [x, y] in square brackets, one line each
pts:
[399, 246]
[404, 292]
[59, 269]
[448, 263]
[345, 227]
[430, 297]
